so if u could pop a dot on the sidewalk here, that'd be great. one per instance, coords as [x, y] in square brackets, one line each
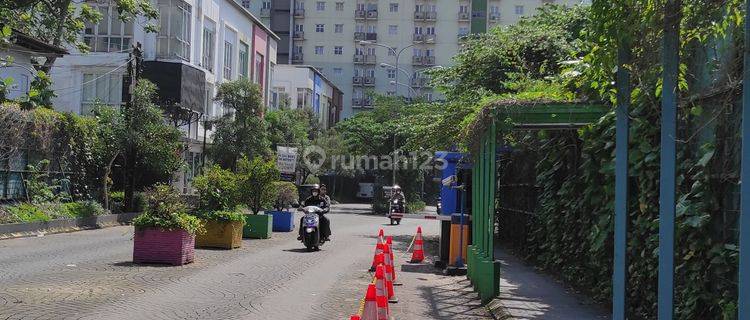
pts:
[528, 294]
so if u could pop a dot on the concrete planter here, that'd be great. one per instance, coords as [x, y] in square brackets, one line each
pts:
[154, 245]
[221, 234]
[283, 221]
[258, 226]
[15, 230]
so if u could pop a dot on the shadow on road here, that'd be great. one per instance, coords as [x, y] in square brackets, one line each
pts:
[131, 264]
[300, 250]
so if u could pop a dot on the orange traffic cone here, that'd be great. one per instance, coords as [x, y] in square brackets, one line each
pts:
[418, 254]
[389, 274]
[370, 311]
[378, 250]
[381, 294]
[381, 236]
[389, 242]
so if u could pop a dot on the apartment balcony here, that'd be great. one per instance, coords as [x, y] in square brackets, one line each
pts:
[419, 15]
[359, 36]
[299, 13]
[362, 102]
[298, 35]
[428, 61]
[357, 81]
[179, 85]
[297, 58]
[360, 14]
[416, 60]
[369, 81]
[429, 38]
[420, 82]
[430, 16]
[418, 37]
[494, 17]
[372, 14]
[265, 13]
[464, 16]
[364, 59]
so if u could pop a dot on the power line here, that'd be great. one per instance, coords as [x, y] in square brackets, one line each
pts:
[94, 79]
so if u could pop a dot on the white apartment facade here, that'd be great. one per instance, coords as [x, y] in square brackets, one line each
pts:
[199, 45]
[306, 87]
[329, 35]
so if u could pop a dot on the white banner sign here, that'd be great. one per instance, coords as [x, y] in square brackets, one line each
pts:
[286, 159]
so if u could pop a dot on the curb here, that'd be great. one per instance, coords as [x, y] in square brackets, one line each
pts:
[33, 229]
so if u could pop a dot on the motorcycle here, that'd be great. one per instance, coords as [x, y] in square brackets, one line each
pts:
[311, 227]
[397, 206]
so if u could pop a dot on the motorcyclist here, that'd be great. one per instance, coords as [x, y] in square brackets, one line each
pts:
[319, 200]
[398, 194]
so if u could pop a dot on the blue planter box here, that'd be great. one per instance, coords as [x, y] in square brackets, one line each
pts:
[283, 221]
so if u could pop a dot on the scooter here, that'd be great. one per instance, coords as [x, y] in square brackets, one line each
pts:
[397, 206]
[311, 227]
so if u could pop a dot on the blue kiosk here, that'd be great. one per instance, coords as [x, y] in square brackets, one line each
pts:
[456, 164]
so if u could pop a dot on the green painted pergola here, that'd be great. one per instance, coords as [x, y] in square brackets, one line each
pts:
[483, 270]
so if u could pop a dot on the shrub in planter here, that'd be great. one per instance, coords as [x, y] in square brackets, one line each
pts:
[218, 191]
[165, 233]
[223, 229]
[257, 191]
[286, 196]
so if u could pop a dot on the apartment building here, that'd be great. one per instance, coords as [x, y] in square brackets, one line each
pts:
[358, 43]
[199, 45]
[302, 86]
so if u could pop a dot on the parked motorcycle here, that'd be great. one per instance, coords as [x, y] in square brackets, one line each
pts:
[396, 206]
[311, 227]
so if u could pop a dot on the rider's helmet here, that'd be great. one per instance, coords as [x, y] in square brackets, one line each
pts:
[396, 188]
[315, 190]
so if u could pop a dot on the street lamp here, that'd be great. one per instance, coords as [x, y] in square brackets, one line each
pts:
[414, 92]
[392, 49]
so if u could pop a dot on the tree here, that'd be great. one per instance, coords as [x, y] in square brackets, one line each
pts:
[256, 182]
[242, 132]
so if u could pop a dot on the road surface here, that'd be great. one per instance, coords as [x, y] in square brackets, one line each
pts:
[89, 275]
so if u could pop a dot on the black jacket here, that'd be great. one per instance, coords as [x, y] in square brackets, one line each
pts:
[318, 201]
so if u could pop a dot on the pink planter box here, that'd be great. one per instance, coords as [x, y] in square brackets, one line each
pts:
[153, 245]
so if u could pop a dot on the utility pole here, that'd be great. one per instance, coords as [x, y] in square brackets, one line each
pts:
[135, 67]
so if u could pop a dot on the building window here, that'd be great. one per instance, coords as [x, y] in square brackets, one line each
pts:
[246, 4]
[338, 71]
[393, 30]
[338, 28]
[266, 5]
[299, 27]
[430, 31]
[339, 6]
[319, 50]
[391, 73]
[338, 50]
[110, 34]
[209, 45]
[303, 98]
[299, 5]
[519, 10]
[320, 27]
[359, 28]
[173, 39]
[100, 88]
[244, 59]
[259, 63]
[320, 6]
[228, 60]
[463, 9]
[393, 7]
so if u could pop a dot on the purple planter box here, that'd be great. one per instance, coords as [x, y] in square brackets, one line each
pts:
[154, 245]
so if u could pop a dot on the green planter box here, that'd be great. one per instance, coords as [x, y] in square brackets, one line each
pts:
[257, 226]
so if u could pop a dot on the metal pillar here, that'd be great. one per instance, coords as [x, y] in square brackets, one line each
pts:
[744, 227]
[619, 277]
[671, 62]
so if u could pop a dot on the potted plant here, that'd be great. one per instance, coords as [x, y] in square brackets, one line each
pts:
[165, 232]
[286, 196]
[257, 191]
[218, 207]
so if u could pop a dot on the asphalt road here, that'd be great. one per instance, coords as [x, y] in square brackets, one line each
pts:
[89, 275]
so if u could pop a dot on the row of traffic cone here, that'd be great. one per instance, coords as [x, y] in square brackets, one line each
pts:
[381, 292]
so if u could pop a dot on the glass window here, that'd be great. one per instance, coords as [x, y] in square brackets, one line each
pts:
[393, 30]
[228, 55]
[319, 27]
[519, 10]
[110, 34]
[393, 7]
[319, 50]
[338, 50]
[259, 64]
[338, 28]
[243, 59]
[391, 73]
[320, 5]
[209, 45]
[338, 71]
[339, 6]
[173, 39]
[102, 88]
